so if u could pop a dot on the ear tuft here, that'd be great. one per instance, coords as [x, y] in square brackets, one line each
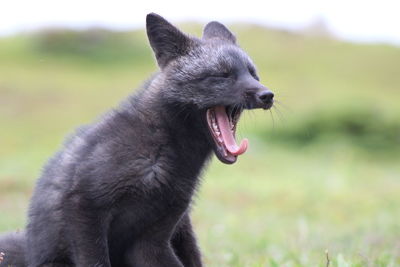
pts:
[166, 40]
[214, 29]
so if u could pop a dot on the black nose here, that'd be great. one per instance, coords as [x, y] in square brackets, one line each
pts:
[266, 96]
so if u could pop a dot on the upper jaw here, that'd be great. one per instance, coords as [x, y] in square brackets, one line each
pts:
[254, 101]
[259, 105]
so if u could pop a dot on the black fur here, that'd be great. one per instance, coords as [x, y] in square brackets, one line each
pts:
[12, 245]
[167, 41]
[119, 192]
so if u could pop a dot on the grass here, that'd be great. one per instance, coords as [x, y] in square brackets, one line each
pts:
[291, 206]
[322, 176]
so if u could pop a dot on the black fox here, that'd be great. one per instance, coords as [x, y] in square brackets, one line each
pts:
[119, 192]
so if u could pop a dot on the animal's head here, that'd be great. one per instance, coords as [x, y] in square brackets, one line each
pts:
[211, 74]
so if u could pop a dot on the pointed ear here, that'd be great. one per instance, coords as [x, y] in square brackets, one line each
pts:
[165, 39]
[214, 29]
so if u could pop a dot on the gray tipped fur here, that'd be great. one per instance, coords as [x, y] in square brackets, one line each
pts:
[214, 29]
[119, 192]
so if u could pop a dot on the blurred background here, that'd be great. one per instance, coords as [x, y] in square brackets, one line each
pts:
[322, 174]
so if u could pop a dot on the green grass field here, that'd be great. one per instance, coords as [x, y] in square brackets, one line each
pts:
[322, 172]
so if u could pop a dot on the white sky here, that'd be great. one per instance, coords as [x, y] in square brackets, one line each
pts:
[368, 20]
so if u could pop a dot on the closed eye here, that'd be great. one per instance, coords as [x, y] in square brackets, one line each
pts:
[253, 73]
[216, 75]
[221, 75]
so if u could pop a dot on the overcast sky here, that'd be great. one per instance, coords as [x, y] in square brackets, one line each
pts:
[352, 19]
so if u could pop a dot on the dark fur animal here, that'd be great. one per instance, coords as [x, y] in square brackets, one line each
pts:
[119, 192]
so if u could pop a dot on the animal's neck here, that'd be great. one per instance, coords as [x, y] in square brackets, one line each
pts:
[181, 125]
[185, 124]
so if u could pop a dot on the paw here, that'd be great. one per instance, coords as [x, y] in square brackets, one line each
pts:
[1, 256]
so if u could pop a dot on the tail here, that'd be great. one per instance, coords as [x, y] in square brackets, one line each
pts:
[12, 245]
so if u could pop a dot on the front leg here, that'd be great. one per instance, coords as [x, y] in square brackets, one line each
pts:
[153, 247]
[185, 244]
[151, 253]
[87, 235]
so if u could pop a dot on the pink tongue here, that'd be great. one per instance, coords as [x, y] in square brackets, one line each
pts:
[227, 135]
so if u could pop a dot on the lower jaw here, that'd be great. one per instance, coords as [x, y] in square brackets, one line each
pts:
[230, 159]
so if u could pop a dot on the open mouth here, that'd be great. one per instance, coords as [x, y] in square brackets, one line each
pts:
[222, 123]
